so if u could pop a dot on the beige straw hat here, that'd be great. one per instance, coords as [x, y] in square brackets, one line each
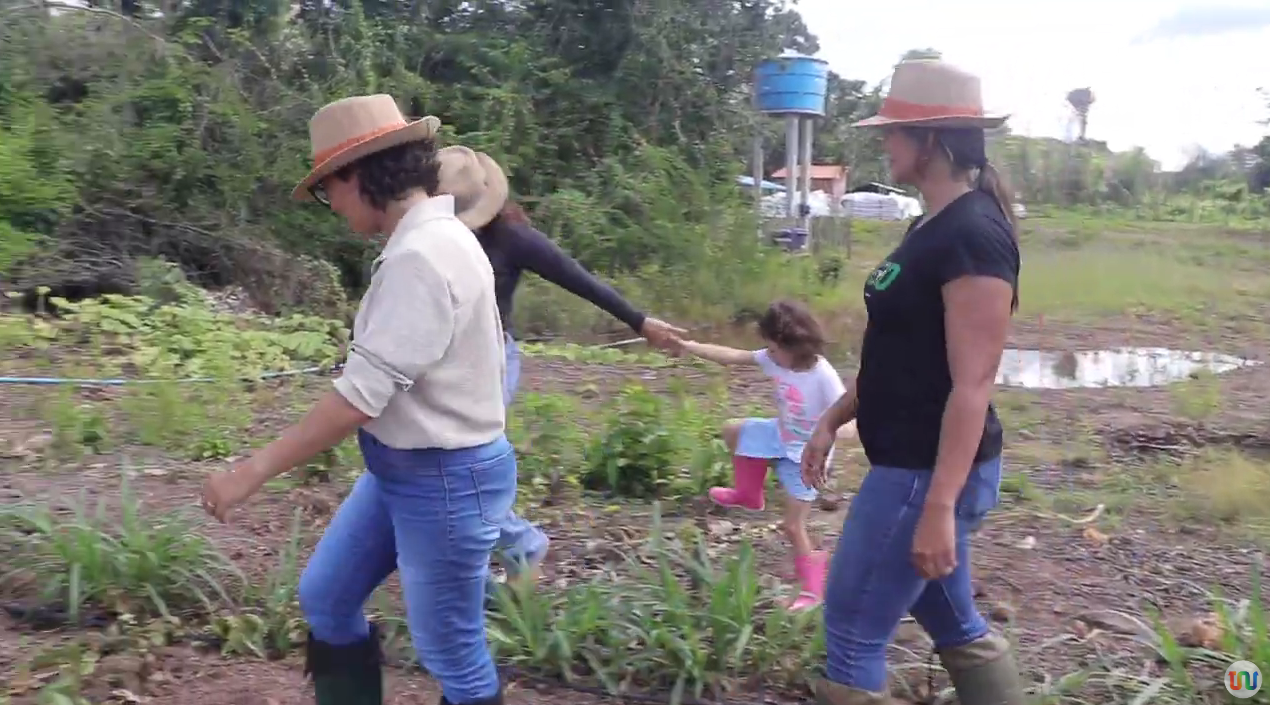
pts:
[932, 93]
[477, 183]
[347, 130]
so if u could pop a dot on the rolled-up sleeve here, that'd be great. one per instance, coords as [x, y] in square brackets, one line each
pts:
[408, 324]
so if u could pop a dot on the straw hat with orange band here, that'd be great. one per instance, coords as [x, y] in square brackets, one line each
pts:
[342, 132]
[932, 93]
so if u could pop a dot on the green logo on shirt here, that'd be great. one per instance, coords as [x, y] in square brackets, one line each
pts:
[882, 277]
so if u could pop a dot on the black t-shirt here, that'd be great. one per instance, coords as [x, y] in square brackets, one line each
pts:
[904, 379]
[514, 248]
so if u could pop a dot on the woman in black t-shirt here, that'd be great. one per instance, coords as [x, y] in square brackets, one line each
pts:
[939, 311]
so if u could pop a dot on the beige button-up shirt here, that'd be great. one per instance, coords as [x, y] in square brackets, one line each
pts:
[427, 358]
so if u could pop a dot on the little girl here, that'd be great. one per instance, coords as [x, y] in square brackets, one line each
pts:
[806, 385]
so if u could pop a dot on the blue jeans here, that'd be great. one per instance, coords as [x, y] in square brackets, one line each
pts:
[872, 583]
[519, 541]
[433, 515]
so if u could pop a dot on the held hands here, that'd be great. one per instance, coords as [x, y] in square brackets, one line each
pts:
[662, 335]
[815, 453]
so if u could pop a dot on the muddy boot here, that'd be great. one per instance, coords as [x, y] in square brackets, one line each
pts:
[347, 674]
[983, 672]
[830, 693]
[747, 491]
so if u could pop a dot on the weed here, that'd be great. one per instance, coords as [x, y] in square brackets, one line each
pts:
[548, 445]
[73, 665]
[122, 560]
[1241, 635]
[1197, 399]
[634, 456]
[1225, 485]
[274, 626]
[683, 621]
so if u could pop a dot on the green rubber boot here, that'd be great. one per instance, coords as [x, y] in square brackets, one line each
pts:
[349, 674]
[983, 672]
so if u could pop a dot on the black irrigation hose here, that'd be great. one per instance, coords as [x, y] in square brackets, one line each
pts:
[45, 617]
[513, 673]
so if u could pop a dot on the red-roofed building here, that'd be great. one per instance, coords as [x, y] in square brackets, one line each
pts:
[830, 178]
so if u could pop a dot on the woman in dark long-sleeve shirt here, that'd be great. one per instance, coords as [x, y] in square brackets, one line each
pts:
[513, 246]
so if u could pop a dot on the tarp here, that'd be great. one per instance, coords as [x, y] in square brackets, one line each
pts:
[880, 206]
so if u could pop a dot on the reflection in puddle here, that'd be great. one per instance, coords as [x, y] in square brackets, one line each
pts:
[1121, 367]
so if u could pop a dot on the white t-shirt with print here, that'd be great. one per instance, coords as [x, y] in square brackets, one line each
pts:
[802, 396]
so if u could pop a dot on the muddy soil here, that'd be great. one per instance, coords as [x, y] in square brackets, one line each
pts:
[1070, 592]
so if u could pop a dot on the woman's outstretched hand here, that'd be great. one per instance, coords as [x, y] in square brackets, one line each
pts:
[815, 455]
[226, 489]
[661, 334]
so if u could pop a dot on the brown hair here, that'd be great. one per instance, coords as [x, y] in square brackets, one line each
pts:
[791, 327]
[513, 214]
[966, 149]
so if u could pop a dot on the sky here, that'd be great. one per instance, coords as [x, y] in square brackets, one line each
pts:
[1167, 76]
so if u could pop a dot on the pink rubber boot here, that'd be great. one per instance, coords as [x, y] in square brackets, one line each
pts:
[810, 570]
[748, 476]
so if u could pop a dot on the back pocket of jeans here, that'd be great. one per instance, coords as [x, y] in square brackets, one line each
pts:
[495, 484]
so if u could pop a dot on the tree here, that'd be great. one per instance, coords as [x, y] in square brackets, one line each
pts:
[183, 125]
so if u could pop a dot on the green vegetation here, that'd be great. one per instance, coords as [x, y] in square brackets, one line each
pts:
[145, 159]
[651, 592]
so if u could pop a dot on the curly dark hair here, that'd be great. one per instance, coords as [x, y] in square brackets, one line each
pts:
[791, 327]
[387, 175]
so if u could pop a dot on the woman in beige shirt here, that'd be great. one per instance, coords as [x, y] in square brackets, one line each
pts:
[423, 389]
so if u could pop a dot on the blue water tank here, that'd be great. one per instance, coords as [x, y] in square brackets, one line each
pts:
[792, 83]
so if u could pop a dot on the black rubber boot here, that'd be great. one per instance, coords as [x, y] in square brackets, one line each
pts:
[346, 675]
[495, 699]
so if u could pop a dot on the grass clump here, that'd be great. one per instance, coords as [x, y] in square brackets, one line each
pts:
[1225, 485]
[119, 560]
[679, 620]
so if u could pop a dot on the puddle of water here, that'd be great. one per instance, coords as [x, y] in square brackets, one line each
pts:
[1121, 367]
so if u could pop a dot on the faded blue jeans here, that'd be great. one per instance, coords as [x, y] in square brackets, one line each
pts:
[872, 583]
[519, 541]
[432, 515]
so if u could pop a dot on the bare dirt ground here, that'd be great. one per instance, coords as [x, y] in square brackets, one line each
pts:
[1072, 593]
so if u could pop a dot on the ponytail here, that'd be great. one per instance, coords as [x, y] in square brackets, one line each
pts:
[991, 183]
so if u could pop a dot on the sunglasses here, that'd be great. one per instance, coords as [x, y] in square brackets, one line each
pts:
[318, 191]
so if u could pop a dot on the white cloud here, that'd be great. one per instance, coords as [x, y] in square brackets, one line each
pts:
[1166, 95]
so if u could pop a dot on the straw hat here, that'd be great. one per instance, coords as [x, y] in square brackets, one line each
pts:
[477, 183]
[347, 130]
[931, 93]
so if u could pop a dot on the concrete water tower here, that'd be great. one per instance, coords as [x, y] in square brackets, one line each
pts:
[792, 86]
